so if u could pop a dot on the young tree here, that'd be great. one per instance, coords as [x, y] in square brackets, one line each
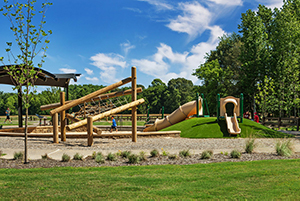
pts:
[31, 40]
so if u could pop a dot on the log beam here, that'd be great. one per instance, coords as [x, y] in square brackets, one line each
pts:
[95, 129]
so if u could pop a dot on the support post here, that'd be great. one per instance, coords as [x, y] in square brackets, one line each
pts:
[55, 128]
[163, 112]
[197, 103]
[203, 107]
[67, 99]
[90, 131]
[218, 106]
[242, 107]
[133, 98]
[20, 107]
[148, 113]
[63, 118]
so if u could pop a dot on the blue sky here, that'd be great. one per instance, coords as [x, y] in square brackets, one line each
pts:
[102, 39]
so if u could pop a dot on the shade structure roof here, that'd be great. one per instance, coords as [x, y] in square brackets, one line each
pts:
[45, 78]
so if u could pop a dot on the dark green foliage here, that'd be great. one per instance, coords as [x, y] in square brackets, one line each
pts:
[18, 155]
[125, 154]
[99, 158]
[173, 156]
[154, 153]
[77, 156]
[143, 156]
[111, 157]
[207, 154]
[185, 153]
[134, 159]
[250, 145]
[45, 156]
[65, 158]
[235, 154]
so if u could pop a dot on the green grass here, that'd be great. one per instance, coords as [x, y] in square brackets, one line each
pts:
[258, 180]
[210, 128]
[124, 123]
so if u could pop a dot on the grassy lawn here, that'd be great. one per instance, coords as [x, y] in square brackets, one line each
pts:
[210, 128]
[123, 123]
[259, 180]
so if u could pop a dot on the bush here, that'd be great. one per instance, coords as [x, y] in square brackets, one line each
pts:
[173, 156]
[18, 155]
[284, 148]
[207, 154]
[99, 158]
[185, 153]
[65, 158]
[154, 153]
[235, 154]
[250, 145]
[125, 154]
[143, 156]
[77, 156]
[45, 156]
[134, 159]
[111, 157]
[164, 153]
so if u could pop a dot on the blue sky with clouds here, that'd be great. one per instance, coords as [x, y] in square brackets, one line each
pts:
[163, 38]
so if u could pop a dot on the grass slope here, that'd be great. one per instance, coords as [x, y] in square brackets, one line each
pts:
[210, 128]
[256, 180]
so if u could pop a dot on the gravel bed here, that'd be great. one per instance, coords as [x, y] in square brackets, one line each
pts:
[174, 145]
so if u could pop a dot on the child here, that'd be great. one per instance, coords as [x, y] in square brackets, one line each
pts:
[7, 113]
[114, 124]
[256, 118]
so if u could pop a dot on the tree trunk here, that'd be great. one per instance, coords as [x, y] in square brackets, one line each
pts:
[26, 130]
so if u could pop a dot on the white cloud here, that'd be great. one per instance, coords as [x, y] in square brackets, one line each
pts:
[108, 64]
[68, 70]
[228, 2]
[164, 63]
[136, 10]
[271, 3]
[195, 19]
[92, 78]
[127, 47]
[159, 4]
[89, 71]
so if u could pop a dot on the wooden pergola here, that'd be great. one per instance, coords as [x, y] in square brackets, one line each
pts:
[45, 78]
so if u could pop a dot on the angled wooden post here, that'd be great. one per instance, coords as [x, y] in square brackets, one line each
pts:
[62, 118]
[90, 131]
[133, 98]
[55, 128]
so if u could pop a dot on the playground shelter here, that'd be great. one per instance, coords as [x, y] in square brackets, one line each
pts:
[45, 78]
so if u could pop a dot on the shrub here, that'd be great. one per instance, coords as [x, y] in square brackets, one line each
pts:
[207, 154]
[185, 153]
[143, 156]
[77, 156]
[94, 155]
[164, 153]
[118, 153]
[99, 158]
[250, 145]
[173, 156]
[154, 153]
[284, 148]
[134, 159]
[125, 154]
[235, 154]
[226, 153]
[45, 156]
[65, 158]
[111, 157]
[18, 155]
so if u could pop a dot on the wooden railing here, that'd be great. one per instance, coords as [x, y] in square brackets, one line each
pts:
[281, 121]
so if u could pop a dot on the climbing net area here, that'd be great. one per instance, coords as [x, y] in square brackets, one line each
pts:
[100, 105]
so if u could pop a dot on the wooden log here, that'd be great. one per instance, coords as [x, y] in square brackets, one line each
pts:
[55, 128]
[90, 131]
[95, 129]
[62, 118]
[97, 98]
[106, 114]
[89, 96]
[133, 110]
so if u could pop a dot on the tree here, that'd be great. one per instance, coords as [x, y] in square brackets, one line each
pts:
[31, 41]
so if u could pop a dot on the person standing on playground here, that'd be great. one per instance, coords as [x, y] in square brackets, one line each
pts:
[7, 113]
[256, 118]
[114, 124]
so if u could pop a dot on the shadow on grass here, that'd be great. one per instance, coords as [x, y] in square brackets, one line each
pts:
[223, 128]
[212, 122]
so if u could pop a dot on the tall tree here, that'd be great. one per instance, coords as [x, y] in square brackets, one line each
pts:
[31, 40]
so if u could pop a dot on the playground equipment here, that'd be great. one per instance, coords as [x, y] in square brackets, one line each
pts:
[236, 112]
[99, 95]
[182, 113]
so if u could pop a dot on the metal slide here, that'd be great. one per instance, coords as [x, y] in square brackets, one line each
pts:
[183, 112]
[232, 125]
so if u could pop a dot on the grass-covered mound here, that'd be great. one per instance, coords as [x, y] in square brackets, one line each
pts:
[210, 128]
